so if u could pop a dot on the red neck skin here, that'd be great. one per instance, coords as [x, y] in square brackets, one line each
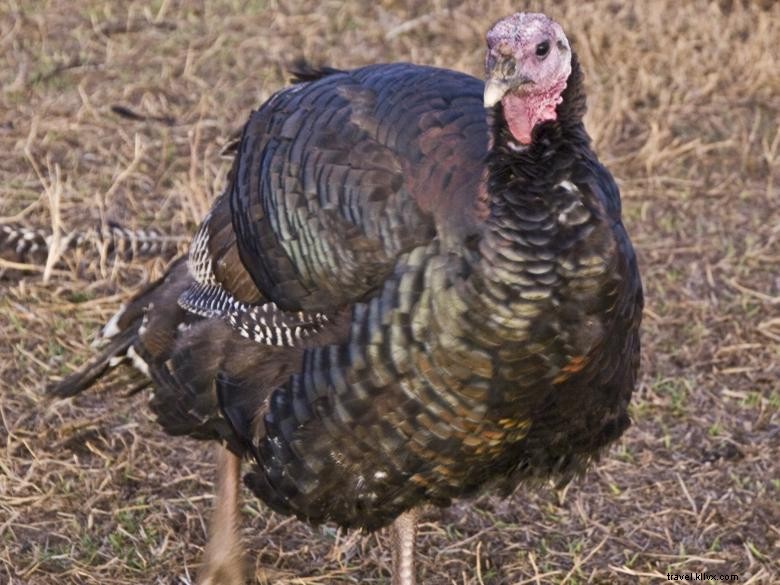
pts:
[524, 111]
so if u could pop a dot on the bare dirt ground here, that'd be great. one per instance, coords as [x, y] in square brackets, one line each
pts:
[684, 109]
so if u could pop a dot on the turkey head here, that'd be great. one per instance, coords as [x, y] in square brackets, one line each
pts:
[527, 64]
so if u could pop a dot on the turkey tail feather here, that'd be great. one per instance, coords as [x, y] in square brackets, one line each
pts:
[132, 334]
[90, 372]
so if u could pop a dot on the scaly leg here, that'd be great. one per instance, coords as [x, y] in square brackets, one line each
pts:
[223, 560]
[403, 535]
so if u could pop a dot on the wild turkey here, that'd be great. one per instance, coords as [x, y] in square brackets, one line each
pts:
[416, 285]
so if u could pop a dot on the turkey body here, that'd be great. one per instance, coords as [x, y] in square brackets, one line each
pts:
[393, 303]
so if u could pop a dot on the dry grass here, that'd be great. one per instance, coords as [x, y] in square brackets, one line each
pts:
[685, 102]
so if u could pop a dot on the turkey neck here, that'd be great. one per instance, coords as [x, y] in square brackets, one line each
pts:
[532, 242]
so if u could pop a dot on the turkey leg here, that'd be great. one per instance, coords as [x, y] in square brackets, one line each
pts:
[223, 559]
[403, 535]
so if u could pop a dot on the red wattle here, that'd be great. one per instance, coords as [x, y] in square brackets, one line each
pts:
[518, 117]
[524, 112]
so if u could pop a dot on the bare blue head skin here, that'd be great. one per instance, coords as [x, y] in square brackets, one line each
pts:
[527, 64]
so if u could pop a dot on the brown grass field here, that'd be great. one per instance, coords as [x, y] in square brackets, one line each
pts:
[684, 110]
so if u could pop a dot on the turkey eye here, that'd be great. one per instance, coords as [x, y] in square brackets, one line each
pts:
[542, 49]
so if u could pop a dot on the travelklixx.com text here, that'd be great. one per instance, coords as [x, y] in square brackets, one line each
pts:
[701, 577]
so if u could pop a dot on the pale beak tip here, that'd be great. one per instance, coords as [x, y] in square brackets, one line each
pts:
[494, 91]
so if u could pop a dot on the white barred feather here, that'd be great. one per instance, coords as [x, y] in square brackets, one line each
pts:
[266, 324]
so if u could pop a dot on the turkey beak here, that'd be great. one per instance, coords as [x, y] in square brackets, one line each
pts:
[495, 89]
